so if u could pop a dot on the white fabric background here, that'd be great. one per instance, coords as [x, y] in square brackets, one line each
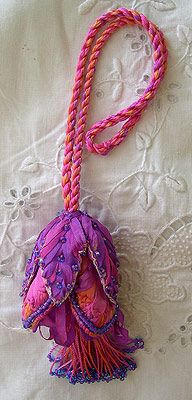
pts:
[141, 191]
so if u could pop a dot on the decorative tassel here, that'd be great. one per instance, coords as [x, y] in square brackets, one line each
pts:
[71, 279]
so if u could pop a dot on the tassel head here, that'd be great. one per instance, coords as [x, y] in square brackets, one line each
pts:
[70, 286]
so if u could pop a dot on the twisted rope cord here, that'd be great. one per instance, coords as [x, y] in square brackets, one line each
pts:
[75, 135]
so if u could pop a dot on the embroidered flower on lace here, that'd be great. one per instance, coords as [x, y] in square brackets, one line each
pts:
[23, 201]
[180, 335]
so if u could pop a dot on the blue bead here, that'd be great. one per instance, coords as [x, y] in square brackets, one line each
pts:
[61, 258]
[83, 253]
[63, 239]
[59, 285]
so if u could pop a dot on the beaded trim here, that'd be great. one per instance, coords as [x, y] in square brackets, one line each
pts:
[38, 313]
[83, 318]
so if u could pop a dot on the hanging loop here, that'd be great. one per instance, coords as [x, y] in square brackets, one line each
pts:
[77, 114]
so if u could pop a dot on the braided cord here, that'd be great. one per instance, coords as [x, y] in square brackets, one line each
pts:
[75, 134]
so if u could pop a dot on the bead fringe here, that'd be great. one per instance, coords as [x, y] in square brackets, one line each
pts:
[92, 360]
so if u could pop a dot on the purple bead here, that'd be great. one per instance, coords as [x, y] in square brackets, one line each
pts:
[102, 272]
[59, 272]
[85, 212]
[75, 267]
[61, 258]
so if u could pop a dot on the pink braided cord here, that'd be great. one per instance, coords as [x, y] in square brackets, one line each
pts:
[75, 134]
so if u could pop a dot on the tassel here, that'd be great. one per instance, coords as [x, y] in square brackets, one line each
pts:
[71, 279]
[70, 286]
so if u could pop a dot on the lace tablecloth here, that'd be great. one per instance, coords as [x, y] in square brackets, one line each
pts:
[141, 191]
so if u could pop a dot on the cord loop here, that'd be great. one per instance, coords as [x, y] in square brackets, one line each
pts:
[77, 113]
